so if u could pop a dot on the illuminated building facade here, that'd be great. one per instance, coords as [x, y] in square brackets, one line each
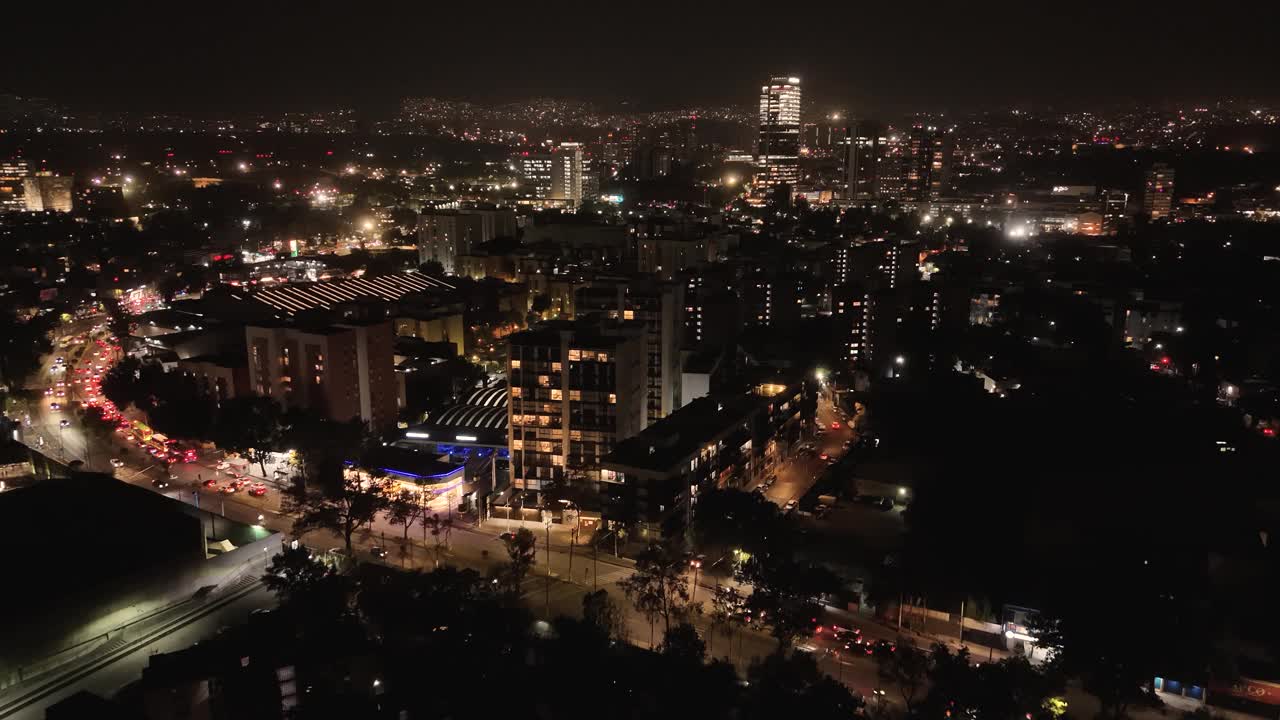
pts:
[778, 159]
[1157, 200]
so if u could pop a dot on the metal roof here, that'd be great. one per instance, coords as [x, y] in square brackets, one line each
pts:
[307, 296]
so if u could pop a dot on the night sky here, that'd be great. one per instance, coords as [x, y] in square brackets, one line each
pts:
[966, 55]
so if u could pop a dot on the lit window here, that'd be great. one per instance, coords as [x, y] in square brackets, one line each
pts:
[544, 381]
[613, 399]
[515, 364]
[515, 392]
[556, 394]
[603, 357]
[628, 314]
[575, 394]
[575, 355]
[517, 444]
[555, 367]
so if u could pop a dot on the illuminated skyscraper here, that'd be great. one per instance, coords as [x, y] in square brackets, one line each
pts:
[566, 174]
[779, 151]
[1157, 202]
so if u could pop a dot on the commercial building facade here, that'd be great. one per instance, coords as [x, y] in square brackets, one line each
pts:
[778, 157]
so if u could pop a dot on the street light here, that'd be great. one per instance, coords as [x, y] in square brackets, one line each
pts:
[899, 361]
[696, 564]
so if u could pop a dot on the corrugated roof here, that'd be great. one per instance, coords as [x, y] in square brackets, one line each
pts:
[307, 296]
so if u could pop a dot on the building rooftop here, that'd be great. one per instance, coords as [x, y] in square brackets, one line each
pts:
[325, 295]
[681, 434]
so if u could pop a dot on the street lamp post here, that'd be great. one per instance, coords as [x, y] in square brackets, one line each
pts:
[547, 523]
[696, 564]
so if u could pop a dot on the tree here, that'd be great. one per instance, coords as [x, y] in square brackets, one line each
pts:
[440, 529]
[293, 573]
[521, 548]
[682, 644]
[21, 345]
[601, 613]
[344, 505]
[906, 666]
[784, 685]
[658, 588]
[250, 426]
[784, 593]
[406, 509]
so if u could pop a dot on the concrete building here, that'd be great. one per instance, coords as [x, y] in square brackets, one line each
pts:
[345, 370]
[567, 173]
[778, 158]
[713, 442]
[47, 192]
[1157, 198]
[660, 306]
[444, 236]
[13, 174]
[222, 377]
[852, 308]
[576, 390]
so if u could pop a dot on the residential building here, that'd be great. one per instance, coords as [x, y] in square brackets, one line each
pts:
[537, 170]
[576, 390]
[221, 377]
[344, 369]
[721, 440]
[852, 308]
[567, 173]
[444, 236]
[1114, 205]
[660, 306]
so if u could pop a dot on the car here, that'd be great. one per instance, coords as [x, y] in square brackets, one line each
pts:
[64, 423]
[117, 463]
[791, 505]
[55, 406]
[160, 483]
[210, 483]
[228, 489]
[760, 489]
[835, 424]
[258, 490]
[507, 536]
[223, 465]
[881, 647]
[48, 392]
[59, 360]
[885, 504]
[378, 551]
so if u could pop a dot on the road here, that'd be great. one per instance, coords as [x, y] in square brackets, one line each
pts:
[573, 571]
[109, 679]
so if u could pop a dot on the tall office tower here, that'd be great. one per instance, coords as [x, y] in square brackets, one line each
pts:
[779, 147]
[660, 306]
[863, 146]
[577, 389]
[46, 191]
[446, 235]
[566, 173]
[344, 370]
[1157, 201]
[927, 168]
[891, 167]
[1114, 204]
[852, 310]
[537, 170]
[12, 175]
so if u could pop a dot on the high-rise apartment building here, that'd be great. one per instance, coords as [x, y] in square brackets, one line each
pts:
[576, 390]
[47, 192]
[12, 176]
[566, 173]
[852, 309]
[344, 370]
[446, 235]
[1157, 200]
[660, 306]
[778, 157]
[1114, 204]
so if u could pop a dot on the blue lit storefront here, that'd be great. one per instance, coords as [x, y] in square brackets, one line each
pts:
[471, 434]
